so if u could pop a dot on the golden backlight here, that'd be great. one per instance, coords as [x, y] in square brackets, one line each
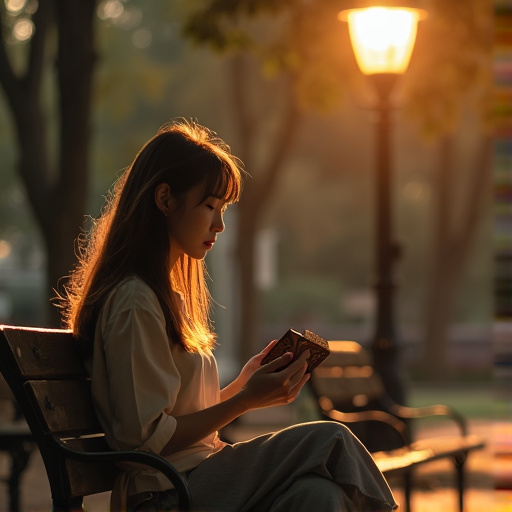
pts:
[382, 37]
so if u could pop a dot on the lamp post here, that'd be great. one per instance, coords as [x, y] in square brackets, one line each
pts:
[383, 37]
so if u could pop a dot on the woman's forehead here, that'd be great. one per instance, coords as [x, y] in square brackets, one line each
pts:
[200, 193]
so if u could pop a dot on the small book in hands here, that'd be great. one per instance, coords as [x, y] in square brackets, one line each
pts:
[295, 342]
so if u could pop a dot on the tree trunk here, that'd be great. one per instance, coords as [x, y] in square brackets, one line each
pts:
[57, 193]
[451, 248]
[256, 195]
[75, 66]
[249, 305]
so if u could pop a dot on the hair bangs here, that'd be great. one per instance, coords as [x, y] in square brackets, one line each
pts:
[224, 179]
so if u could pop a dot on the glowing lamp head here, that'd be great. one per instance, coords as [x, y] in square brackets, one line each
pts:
[382, 37]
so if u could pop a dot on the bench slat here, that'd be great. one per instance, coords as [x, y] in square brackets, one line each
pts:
[344, 388]
[41, 353]
[425, 451]
[347, 376]
[449, 444]
[65, 405]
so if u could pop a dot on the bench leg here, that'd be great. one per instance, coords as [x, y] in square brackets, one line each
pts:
[407, 490]
[71, 505]
[20, 454]
[461, 484]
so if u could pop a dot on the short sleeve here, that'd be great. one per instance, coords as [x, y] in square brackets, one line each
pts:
[143, 381]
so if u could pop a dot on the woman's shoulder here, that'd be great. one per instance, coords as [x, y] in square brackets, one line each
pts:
[132, 293]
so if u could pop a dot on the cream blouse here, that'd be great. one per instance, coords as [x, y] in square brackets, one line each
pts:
[141, 382]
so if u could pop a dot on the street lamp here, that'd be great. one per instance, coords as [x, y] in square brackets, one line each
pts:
[383, 36]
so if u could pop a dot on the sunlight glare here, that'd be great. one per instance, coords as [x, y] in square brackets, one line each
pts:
[5, 249]
[23, 29]
[111, 9]
[15, 6]
[142, 38]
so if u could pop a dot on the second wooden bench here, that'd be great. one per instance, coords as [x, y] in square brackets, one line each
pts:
[347, 389]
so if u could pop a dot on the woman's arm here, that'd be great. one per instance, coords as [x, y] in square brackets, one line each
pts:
[264, 388]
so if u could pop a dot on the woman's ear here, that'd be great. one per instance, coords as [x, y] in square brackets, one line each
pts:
[163, 198]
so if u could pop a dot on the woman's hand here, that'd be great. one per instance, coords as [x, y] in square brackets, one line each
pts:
[266, 387]
[250, 367]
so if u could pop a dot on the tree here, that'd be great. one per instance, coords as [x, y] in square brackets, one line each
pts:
[457, 44]
[61, 50]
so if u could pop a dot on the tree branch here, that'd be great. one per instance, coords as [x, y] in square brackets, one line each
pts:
[23, 99]
[8, 79]
[16, 88]
[243, 119]
[35, 64]
[282, 144]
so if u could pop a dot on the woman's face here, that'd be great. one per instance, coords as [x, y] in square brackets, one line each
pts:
[194, 225]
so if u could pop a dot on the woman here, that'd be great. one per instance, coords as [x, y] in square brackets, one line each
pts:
[138, 303]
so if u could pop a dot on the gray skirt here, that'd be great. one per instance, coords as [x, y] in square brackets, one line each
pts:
[311, 466]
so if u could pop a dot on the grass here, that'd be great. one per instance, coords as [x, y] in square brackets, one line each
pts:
[473, 400]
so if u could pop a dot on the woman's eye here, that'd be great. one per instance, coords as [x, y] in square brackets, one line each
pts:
[210, 207]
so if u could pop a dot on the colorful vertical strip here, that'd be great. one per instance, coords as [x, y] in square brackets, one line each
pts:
[503, 157]
[503, 238]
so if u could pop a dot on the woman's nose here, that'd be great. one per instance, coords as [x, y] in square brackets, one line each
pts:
[218, 224]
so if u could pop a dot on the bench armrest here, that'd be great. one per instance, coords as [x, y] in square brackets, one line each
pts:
[146, 458]
[398, 426]
[408, 413]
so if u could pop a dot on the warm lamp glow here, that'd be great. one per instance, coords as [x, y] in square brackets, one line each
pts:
[382, 38]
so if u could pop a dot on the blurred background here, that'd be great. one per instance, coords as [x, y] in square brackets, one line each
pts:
[85, 84]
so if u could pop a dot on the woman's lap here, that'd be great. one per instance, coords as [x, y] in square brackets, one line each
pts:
[251, 475]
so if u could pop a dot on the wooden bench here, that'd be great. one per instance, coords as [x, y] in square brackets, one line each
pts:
[45, 372]
[348, 390]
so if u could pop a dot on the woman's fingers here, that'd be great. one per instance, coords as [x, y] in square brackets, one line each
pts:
[296, 366]
[284, 361]
[270, 387]
[299, 368]
[278, 362]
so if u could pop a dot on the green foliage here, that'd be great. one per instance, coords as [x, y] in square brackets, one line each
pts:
[302, 39]
[214, 22]
[452, 66]
[304, 299]
[16, 222]
[138, 88]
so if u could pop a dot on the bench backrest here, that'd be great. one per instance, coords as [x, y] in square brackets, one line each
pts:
[46, 374]
[348, 389]
[347, 378]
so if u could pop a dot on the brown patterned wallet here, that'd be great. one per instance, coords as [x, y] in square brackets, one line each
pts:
[295, 342]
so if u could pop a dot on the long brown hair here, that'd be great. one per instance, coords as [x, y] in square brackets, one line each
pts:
[130, 237]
